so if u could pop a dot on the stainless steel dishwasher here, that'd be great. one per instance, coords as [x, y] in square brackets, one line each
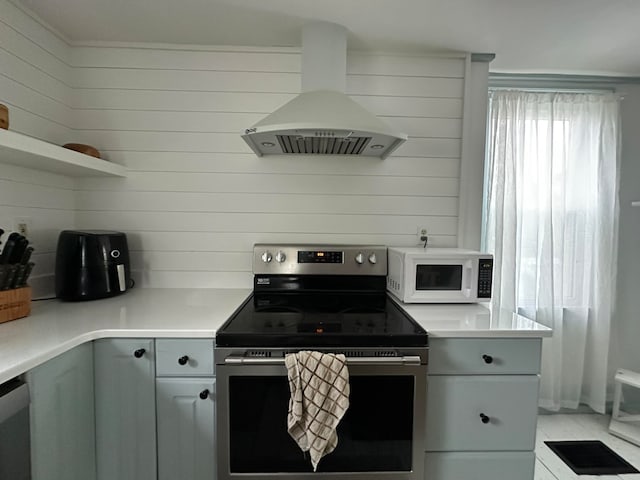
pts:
[15, 458]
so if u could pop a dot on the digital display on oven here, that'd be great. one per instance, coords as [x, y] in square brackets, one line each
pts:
[438, 277]
[320, 256]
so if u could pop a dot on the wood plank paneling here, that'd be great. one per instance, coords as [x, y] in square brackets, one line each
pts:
[404, 65]
[276, 183]
[265, 203]
[234, 123]
[163, 241]
[264, 222]
[308, 165]
[17, 94]
[179, 101]
[21, 46]
[22, 71]
[183, 58]
[189, 80]
[196, 198]
[34, 74]
[21, 20]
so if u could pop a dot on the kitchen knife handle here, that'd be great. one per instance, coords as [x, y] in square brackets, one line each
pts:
[4, 271]
[17, 279]
[18, 250]
[8, 248]
[26, 256]
[8, 279]
[27, 273]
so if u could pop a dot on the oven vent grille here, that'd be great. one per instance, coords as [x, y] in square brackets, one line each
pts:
[356, 353]
[323, 143]
[376, 353]
[346, 353]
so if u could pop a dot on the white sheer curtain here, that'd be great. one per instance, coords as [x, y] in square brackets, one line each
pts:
[551, 222]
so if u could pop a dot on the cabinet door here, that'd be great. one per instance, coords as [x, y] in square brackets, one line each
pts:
[186, 447]
[481, 412]
[125, 409]
[62, 417]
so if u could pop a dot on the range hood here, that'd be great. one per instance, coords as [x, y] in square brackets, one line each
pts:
[323, 120]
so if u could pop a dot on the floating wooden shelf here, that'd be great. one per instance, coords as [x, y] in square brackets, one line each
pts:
[29, 152]
[635, 204]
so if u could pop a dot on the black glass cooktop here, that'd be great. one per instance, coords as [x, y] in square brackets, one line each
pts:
[320, 320]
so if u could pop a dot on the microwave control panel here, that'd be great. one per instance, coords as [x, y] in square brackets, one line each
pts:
[485, 273]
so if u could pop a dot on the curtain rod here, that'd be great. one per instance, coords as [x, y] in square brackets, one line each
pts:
[549, 82]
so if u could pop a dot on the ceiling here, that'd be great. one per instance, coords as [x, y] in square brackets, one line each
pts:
[588, 37]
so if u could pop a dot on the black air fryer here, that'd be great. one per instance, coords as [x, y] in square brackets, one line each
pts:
[91, 264]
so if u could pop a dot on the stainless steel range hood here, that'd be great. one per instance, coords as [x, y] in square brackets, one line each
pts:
[323, 120]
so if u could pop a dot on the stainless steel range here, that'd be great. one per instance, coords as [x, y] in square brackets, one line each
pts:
[328, 298]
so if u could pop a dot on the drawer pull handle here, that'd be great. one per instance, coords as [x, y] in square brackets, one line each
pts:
[139, 353]
[487, 358]
[183, 360]
[484, 418]
[204, 394]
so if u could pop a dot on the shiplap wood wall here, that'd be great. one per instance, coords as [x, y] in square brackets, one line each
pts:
[34, 84]
[196, 198]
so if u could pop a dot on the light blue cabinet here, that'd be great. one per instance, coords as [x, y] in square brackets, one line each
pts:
[125, 409]
[482, 397]
[62, 417]
[186, 428]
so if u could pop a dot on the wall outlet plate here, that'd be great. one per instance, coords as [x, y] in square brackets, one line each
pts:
[422, 233]
[22, 225]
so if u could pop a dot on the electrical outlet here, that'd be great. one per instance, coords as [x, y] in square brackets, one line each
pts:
[422, 233]
[22, 225]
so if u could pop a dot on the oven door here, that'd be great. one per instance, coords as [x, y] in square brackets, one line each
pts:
[380, 436]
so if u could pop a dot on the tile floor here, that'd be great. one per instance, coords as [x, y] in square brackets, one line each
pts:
[579, 427]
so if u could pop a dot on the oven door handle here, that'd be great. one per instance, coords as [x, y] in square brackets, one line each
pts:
[404, 360]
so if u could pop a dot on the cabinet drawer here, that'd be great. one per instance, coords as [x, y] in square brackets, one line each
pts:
[184, 357]
[484, 356]
[481, 412]
[479, 465]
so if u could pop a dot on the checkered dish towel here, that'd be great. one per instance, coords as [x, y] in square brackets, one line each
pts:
[319, 384]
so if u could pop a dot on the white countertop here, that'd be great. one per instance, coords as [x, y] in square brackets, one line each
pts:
[473, 320]
[55, 327]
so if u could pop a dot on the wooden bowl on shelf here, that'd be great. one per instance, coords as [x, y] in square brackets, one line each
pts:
[4, 117]
[82, 148]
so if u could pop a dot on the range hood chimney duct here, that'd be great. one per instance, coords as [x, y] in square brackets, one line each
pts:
[323, 120]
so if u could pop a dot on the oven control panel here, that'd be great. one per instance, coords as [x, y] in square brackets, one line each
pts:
[277, 259]
[320, 256]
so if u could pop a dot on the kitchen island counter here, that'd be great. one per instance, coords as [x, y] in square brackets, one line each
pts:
[55, 326]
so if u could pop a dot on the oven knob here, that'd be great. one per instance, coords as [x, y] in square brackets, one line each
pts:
[372, 258]
[280, 257]
[360, 259]
[266, 257]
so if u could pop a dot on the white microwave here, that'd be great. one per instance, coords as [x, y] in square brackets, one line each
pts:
[439, 275]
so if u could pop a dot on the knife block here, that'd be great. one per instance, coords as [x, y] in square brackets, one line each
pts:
[15, 303]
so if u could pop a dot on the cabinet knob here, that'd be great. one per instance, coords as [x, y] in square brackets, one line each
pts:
[139, 353]
[183, 360]
[487, 358]
[204, 394]
[484, 418]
